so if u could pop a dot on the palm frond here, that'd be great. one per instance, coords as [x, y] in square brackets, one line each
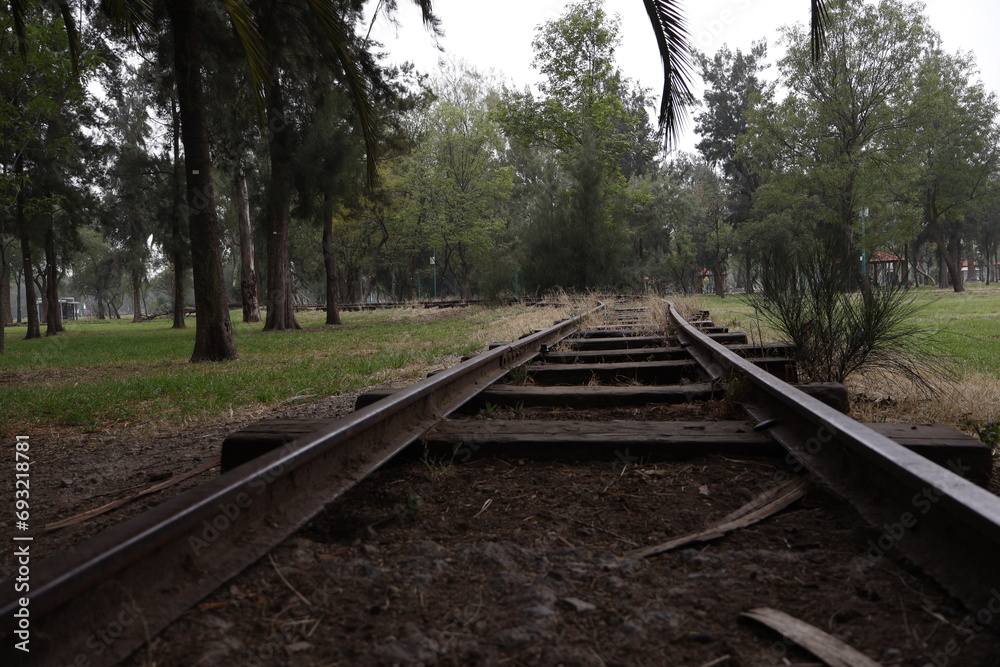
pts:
[247, 32]
[72, 34]
[431, 21]
[17, 12]
[671, 33]
[820, 19]
[328, 15]
[130, 17]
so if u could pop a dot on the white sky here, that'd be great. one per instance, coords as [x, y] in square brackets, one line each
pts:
[497, 35]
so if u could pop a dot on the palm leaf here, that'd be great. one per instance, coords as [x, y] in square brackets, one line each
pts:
[820, 19]
[247, 32]
[128, 16]
[427, 12]
[671, 33]
[72, 34]
[18, 10]
[328, 15]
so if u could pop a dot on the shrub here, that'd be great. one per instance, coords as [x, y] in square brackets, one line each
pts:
[813, 299]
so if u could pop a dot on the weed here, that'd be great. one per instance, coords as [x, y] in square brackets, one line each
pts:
[812, 300]
[988, 432]
[517, 410]
[518, 375]
[439, 466]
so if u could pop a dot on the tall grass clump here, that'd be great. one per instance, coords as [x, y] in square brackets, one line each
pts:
[813, 299]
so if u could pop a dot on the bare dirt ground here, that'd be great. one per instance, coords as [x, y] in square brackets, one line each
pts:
[526, 563]
[514, 562]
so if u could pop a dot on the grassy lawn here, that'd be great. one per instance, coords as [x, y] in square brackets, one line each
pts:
[966, 325]
[103, 374]
[966, 330]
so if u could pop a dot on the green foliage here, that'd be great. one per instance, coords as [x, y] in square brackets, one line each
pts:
[836, 142]
[810, 299]
[988, 431]
[591, 133]
[732, 86]
[110, 373]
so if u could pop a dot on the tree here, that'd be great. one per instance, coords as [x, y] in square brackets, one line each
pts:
[956, 143]
[840, 134]
[454, 183]
[732, 87]
[132, 191]
[213, 336]
[588, 119]
[40, 117]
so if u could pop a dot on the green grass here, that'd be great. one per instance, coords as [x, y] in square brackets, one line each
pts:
[103, 374]
[966, 325]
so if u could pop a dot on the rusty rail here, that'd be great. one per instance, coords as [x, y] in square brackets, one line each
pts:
[945, 524]
[100, 601]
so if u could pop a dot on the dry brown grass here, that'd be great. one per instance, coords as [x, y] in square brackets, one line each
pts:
[509, 324]
[973, 398]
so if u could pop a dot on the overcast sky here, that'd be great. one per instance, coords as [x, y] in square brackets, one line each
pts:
[497, 35]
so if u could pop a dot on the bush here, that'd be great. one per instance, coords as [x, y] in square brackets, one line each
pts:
[814, 300]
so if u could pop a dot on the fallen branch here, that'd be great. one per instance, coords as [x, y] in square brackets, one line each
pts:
[826, 647]
[770, 502]
[90, 514]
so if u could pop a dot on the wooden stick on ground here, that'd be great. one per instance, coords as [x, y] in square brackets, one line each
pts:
[770, 502]
[826, 647]
[97, 511]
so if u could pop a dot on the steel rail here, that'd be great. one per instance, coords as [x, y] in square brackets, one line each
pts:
[98, 602]
[926, 512]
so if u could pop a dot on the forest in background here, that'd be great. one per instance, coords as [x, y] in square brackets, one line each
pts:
[888, 144]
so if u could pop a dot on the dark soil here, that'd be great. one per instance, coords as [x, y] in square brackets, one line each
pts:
[511, 562]
[526, 563]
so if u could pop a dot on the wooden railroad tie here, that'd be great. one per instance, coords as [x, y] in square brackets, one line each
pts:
[643, 440]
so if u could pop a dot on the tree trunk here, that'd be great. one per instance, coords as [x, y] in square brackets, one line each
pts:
[17, 291]
[43, 295]
[177, 221]
[34, 330]
[280, 310]
[951, 263]
[248, 275]
[213, 330]
[136, 278]
[101, 314]
[4, 284]
[330, 261]
[719, 278]
[6, 313]
[53, 313]
[955, 268]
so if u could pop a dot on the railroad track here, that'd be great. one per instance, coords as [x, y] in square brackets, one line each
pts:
[280, 474]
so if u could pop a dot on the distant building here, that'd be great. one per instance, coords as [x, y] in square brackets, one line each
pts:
[886, 269]
[974, 271]
[70, 310]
